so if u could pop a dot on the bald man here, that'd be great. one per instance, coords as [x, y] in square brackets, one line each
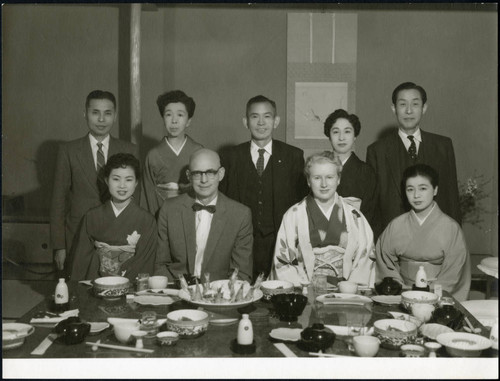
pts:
[204, 231]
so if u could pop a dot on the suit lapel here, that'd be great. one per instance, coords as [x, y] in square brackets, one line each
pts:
[189, 227]
[216, 229]
[246, 160]
[393, 162]
[87, 162]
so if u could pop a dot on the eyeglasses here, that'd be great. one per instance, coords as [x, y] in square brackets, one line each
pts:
[210, 173]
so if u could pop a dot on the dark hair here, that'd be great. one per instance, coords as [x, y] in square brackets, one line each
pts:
[342, 114]
[100, 94]
[176, 96]
[261, 99]
[122, 160]
[423, 170]
[409, 86]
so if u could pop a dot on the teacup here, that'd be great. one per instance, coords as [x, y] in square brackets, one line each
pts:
[366, 346]
[422, 312]
[347, 287]
[157, 282]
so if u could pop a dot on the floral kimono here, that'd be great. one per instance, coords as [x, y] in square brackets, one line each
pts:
[438, 245]
[122, 245]
[344, 251]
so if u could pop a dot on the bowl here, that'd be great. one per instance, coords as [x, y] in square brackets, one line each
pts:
[366, 346]
[388, 286]
[422, 312]
[409, 298]
[316, 338]
[158, 282]
[412, 350]
[289, 306]
[123, 329]
[167, 338]
[72, 330]
[433, 330]
[460, 344]
[14, 334]
[394, 332]
[449, 316]
[111, 287]
[347, 287]
[188, 323]
[275, 287]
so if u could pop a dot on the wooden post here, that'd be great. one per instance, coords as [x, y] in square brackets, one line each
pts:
[135, 74]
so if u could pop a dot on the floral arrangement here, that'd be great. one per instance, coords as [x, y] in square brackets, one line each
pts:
[471, 194]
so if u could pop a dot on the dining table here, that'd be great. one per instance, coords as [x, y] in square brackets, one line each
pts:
[216, 341]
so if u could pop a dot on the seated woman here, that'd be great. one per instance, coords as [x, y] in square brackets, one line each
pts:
[424, 236]
[117, 237]
[322, 234]
[358, 178]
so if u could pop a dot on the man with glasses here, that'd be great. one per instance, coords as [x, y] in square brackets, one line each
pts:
[204, 231]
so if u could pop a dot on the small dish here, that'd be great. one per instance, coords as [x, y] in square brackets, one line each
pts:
[412, 350]
[153, 300]
[339, 298]
[223, 322]
[159, 292]
[387, 300]
[286, 334]
[459, 344]
[433, 330]
[342, 330]
[167, 338]
[14, 334]
[96, 327]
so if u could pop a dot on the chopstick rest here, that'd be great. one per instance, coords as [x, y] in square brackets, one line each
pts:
[119, 347]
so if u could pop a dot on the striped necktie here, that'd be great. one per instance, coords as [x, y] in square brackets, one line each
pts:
[412, 151]
[260, 161]
[100, 158]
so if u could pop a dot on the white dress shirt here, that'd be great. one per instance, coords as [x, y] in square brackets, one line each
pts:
[203, 220]
[254, 151]
[404, 138]
[105, 148]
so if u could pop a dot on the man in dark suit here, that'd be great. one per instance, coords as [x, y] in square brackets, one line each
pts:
[78, 184]
[266, 175]
[391, 155]
[204, 231]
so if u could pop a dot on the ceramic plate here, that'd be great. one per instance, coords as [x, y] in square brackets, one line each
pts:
[97, 327]
[159, 292]
[286, 334]
[222, 322]
[338, 298]
[464, 341]
[344, 331]
[114, 321]
[153, 300]
[433, 330]
[387, 299]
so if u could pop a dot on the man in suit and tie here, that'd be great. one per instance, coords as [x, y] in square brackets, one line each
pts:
[79, 184]
[204, 231]
[391, 155]
[266, 175]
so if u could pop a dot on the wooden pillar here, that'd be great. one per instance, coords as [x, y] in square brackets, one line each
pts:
[135, 74]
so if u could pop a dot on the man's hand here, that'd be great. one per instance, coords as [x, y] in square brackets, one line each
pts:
[59, 258]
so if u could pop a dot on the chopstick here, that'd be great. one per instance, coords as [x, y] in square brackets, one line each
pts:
[122, 348]
[319, 354]
[472, 328]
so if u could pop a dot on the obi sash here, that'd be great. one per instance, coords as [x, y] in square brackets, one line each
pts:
[168, 190]
[111, 258]
[409, 268]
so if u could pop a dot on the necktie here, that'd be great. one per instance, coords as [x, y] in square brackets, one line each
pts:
[260, 161]
[209, 208]
[101, 161]
[412, 151]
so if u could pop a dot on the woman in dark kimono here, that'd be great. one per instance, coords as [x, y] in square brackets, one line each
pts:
[117, 237]
[424, 236]
[358, 179]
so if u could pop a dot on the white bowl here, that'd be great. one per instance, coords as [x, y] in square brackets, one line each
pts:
[433, 330]
[123, 329]
[409, 298]
[422, 312]
[14, 334]
[366, 346]
[347, 287]
[460, 344]
[158, 281]
[111, 287]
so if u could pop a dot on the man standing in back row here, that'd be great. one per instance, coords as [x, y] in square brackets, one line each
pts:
[391, 155]
[266, 175]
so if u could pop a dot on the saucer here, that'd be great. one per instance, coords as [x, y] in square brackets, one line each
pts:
[97, 327]
[286, 334]
[387, 299]
[154, 300]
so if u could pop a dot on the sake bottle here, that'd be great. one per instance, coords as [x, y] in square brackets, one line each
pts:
[61, 295]
[245, 331]
[421, 278]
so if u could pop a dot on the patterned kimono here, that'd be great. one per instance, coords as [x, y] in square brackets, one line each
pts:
[438, 244]
[164, 166]
[342, 246]
[109, 245]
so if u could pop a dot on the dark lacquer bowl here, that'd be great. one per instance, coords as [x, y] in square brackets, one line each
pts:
[316, 338]
[449, 316]
[289, 306]
[72, 330]
[388, 286]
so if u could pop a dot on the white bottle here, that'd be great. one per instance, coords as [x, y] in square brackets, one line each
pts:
[421, 278]
[245, 331]
[494, 335]
[61, 295]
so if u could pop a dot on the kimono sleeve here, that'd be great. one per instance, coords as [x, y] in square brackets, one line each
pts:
[387, 260]
[145, 251]
[149, 200]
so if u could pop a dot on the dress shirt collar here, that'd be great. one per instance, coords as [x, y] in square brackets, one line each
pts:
[404, 138]
[254, 148]
[94, 141]
[213, 202]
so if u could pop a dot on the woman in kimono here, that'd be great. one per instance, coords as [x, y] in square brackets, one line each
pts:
[166, 164]
[358, 178]
[117, 237]
[424, 236]
[323, 234]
